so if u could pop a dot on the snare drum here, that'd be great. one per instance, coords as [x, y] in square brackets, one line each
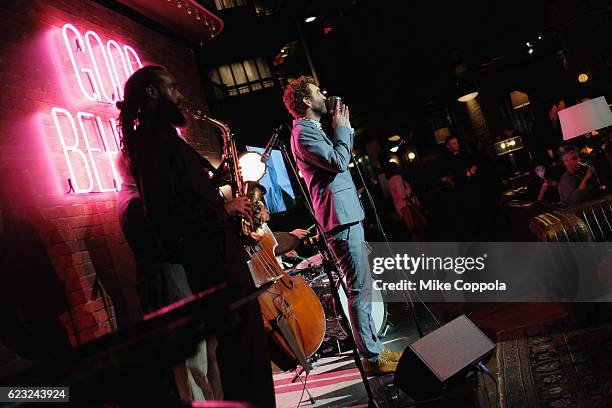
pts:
[312, 273]
[320, 285]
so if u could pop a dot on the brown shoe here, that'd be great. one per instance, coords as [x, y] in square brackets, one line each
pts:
[393, 356]
[382, 366]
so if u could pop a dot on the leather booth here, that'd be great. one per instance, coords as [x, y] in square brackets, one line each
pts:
[585, 222]
[590, 221]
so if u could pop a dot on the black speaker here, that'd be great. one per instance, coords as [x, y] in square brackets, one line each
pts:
[442, 360]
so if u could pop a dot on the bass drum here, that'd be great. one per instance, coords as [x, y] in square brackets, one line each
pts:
[379, 308]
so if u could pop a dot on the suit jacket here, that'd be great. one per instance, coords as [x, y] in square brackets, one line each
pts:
[324, 163]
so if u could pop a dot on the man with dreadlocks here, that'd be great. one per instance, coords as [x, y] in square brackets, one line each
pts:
[193, 223]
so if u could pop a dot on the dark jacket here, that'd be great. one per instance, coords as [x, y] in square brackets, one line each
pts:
[186, 209]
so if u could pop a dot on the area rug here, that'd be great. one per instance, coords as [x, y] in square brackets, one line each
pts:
[556, 368]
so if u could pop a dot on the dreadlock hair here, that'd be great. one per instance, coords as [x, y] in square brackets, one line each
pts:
[295, 93]
[134, 98]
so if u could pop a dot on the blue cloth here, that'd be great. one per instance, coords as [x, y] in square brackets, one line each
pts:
[324, 164]
[347, 243]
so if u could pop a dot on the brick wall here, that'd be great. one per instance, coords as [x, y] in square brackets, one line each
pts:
[56, 248]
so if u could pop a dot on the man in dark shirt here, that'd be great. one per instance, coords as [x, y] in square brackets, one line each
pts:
[194, 223]
[460, 167]
[464, 197]
[577, 184]
[161, 283]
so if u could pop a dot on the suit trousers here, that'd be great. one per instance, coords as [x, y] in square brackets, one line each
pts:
[347, 242]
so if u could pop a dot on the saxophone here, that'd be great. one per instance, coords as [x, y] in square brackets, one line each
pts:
[230, 157]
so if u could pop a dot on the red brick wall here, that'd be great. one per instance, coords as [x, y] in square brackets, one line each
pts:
[55, 246]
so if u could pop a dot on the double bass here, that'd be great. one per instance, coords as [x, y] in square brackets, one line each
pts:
[292, 313]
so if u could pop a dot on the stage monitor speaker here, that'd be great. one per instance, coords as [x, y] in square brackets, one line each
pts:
[442, 360]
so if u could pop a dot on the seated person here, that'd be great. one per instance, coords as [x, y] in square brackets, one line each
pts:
[578, 183]
[542, 185]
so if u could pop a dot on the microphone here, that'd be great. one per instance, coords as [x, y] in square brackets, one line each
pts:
[333, 103]
[265, 156]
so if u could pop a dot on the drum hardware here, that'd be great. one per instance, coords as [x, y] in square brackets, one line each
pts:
[311, 240]
[320, 285]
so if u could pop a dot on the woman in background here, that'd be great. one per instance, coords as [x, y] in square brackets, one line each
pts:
[406, 203]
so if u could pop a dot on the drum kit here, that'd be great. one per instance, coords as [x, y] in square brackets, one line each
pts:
[312, 270]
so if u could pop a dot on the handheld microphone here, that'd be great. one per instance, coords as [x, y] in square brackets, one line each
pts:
[333, 103]
[265, 156]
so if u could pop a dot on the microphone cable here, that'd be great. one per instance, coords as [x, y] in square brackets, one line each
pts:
[382, 231]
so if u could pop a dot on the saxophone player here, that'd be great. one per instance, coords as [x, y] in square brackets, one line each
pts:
[193, 223]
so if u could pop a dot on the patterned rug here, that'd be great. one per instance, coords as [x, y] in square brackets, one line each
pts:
[556, 369]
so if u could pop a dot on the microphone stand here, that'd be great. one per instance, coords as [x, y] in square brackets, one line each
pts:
[329, 265]
[407, 295]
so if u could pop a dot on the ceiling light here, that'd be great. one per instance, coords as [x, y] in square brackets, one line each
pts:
[466, 90]
[310, 19]
[394, 138]
[582, 78]
[468, 97]
[394, 149]
[411, 156]
[530, 51]
[519, 99]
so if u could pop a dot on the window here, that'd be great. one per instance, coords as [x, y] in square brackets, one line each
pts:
[243, 77]
[227, 4]
[263, 8]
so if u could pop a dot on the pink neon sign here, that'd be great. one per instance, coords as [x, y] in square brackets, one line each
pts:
[90, 141]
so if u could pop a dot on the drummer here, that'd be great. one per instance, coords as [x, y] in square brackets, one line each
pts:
[261, 215]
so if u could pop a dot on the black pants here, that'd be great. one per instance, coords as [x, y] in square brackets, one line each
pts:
[242, 353]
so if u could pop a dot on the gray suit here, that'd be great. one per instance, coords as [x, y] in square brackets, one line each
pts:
[324, 163]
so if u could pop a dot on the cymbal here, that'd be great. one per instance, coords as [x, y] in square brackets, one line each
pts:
[313, 261]
[286, 242]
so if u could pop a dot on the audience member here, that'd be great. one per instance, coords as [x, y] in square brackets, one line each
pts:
[542, 185]
[406, 203]
[578, 183]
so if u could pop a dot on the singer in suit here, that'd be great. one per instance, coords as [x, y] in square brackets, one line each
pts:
[324, 163]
